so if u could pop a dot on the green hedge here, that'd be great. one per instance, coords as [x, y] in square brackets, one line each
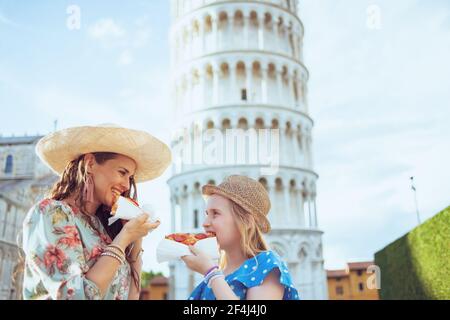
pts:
[417, 266]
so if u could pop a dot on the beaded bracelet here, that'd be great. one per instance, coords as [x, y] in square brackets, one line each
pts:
[112, 255]
[117, 247]
[212, 274]
[211, 269]
[115, 251]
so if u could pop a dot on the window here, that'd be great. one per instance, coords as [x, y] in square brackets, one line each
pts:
[244, 94]
[359, 272]
[339, 290]
[9, 164]
[361, 286]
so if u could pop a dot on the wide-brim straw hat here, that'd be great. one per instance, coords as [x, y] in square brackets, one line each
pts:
[151, 155]
[246, 192]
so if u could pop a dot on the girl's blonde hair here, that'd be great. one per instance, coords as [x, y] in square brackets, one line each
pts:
[252, 240]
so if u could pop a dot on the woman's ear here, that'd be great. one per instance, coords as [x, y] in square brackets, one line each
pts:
[89, 160]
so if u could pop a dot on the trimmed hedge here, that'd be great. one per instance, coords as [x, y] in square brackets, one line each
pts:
[417, 266]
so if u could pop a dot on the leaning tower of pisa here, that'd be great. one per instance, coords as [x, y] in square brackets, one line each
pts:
[239, 65]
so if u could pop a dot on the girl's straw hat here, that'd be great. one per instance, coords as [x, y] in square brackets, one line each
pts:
[151, 155]
[246, 192]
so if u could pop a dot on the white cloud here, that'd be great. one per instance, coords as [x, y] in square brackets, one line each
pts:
[106, 29]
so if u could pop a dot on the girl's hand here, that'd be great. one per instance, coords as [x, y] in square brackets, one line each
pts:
[199, 262]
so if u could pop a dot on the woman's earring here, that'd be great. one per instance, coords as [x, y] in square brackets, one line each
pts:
[88, 190]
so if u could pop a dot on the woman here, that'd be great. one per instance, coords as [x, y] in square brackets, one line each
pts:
[236, 212]
[70, 251]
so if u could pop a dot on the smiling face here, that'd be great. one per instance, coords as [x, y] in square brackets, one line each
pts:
[219, 220]
[111, 178]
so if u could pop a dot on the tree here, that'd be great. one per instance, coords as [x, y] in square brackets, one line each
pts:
[147, 277]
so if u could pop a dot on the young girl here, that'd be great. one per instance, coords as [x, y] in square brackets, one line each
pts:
[236, 212]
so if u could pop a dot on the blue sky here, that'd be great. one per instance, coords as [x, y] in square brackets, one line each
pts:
[379, 98]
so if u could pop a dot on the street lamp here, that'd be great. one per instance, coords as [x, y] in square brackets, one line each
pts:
[415, 199]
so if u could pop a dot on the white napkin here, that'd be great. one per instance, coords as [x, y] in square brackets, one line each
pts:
[169, 250]
[126, 210]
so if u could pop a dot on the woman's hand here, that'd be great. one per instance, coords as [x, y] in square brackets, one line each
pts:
[199, 262]
[135, 229]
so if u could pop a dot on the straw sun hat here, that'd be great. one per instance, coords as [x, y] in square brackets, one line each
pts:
[246, 192]
[152, 156]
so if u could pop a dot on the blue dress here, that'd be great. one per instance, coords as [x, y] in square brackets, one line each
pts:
[251, 274]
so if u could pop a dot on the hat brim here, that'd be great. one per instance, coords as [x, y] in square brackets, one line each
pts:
[209, 189]
[152, 156]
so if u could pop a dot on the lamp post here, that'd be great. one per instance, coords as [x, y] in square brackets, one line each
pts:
[415, 199]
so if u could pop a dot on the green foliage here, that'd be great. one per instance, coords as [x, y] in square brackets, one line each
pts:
[417, 266]
[147, 277]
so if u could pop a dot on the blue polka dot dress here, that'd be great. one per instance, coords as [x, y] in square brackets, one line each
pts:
[251, 274]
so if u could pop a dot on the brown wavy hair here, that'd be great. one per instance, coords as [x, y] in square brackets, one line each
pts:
[72, 182]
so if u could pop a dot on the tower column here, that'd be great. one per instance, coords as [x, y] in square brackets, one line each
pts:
[202, 75]
[249, 80]
[278, 73]
[189, 92]
[287, 203]
[289, 88]
[216, 71]
[272, 195]
[190, 41]
[233, 88]
[201, 32]
[315, 211]
[264, 74]
[172, 211]
[309, 210]
[246, 25]
[261, 31]
[215, 37]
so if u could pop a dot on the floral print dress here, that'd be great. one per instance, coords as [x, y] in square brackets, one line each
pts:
[60, 246]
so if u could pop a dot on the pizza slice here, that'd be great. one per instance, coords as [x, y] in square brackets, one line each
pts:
[116, 203]
[189, 239]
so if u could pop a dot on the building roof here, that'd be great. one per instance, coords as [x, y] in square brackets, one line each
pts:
[159, 281]
[351, 266]
[19, 140]
[359, 265]
[336, 273]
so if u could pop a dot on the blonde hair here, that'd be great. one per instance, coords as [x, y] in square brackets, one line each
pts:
[252, 240]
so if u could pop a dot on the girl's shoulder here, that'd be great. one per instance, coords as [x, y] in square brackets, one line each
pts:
[259, 266]
[255, 270]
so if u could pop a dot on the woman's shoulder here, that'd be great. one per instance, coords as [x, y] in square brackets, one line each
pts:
[47, 205]
[46, 208]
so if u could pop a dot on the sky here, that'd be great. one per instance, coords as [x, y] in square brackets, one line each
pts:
[378, 93]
